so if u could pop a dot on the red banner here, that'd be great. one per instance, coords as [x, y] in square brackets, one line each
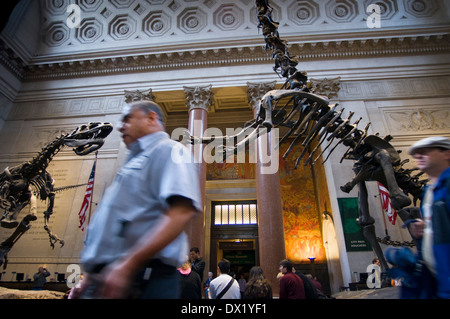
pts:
[386, 204]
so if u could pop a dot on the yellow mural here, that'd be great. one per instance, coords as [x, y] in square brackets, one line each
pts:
[301, 219]
[234, 170]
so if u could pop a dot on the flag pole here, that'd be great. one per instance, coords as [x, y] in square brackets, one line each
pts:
[92, 194]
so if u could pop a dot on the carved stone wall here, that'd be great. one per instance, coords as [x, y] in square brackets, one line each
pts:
[428, 119]
[61, 108]
[406, 108]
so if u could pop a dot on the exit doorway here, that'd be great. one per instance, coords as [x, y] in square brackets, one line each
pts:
[234, 236]
[241, 254]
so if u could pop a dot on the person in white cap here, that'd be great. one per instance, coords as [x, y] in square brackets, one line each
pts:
[432, 155]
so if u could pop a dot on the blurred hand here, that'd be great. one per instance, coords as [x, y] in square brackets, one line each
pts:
[417, 228]
[117, 280]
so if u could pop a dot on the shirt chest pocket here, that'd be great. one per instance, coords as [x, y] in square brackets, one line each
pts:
[133, 178]
[134, 168]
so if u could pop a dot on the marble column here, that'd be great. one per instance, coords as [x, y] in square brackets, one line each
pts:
[270, 218]
[198, 100]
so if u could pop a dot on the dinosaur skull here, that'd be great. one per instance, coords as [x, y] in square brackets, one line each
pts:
[88, 138]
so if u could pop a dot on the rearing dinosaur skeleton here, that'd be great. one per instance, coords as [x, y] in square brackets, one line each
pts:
[23, 184]
[311, 120]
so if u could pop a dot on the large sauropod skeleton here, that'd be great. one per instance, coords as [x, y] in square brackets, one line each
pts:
[319, 127]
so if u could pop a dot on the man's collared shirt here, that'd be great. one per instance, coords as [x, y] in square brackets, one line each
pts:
[137, 200]
[220, 282]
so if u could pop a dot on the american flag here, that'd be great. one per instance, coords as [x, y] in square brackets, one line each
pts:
[386, 203]
[83, 214]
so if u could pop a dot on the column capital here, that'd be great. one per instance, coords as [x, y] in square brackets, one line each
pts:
[198, 97]
[255, 91]
[133, 96]
[328, 87]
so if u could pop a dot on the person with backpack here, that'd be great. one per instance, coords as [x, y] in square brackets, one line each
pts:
[224, 286]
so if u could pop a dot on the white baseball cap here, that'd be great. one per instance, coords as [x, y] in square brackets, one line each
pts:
[429, 142]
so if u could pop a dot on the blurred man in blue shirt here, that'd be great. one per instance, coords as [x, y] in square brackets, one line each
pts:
[136, 240]
[433, 230]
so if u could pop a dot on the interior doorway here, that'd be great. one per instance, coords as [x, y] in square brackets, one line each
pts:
[234, 236]
[240, 253]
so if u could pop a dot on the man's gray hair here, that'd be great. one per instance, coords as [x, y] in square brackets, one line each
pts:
[149, 106]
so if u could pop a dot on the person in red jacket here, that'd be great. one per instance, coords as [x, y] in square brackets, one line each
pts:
[291, 286]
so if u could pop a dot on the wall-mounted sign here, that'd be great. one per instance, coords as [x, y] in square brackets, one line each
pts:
[353, 234]
[234, 245]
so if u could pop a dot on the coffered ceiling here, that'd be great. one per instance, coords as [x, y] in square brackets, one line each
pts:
[50, 40]
[94, 29]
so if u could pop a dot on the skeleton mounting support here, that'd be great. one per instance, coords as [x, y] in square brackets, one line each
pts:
[311, 120]
[23, 184]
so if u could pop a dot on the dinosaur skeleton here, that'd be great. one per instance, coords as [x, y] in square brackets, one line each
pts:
[310, 119]
[23, 184]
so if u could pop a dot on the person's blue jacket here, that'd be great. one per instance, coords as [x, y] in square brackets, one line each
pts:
[441, 234]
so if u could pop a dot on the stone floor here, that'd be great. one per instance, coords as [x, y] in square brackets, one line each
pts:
[383, 293]
[6, 293]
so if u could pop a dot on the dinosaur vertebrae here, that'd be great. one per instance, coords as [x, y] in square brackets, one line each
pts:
[40, 163]
[284, 63]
